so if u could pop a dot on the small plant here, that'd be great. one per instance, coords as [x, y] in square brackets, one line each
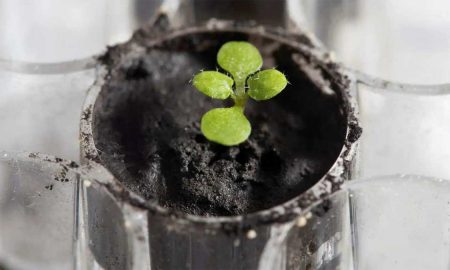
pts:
[229, 126]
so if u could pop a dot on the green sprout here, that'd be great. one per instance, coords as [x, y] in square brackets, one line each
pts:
[229, 126]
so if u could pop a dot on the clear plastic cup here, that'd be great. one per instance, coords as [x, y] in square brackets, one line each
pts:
[393, 222]
[37, 212]
[57, 31]
[397, 40]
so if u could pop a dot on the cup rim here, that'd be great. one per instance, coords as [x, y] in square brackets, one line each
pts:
[43, 68]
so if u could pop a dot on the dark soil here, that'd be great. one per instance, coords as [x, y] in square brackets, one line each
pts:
[146, 128]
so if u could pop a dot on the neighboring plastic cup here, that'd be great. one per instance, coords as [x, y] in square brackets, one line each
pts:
[37, 218]
[397, 40]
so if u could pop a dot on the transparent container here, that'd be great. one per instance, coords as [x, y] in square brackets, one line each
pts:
[400, 41]
[120, 235]
[166, 239]
[405, 128]
[54, 32]
[40, 106]
[394, 222]
[38, 223]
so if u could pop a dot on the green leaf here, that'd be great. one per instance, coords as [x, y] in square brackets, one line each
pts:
[213, 84]
[227, 126]
[240, 58]
[266, 84]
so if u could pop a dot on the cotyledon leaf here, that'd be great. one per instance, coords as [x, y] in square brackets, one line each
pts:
[226, 126]
[240, 58]
[213, 84]
[266, 84]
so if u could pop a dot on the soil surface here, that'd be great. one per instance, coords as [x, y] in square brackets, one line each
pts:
[146, 128]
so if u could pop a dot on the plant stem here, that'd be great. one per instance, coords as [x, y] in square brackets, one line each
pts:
[240, 97]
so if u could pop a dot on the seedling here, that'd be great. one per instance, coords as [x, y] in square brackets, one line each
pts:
[229, 126]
